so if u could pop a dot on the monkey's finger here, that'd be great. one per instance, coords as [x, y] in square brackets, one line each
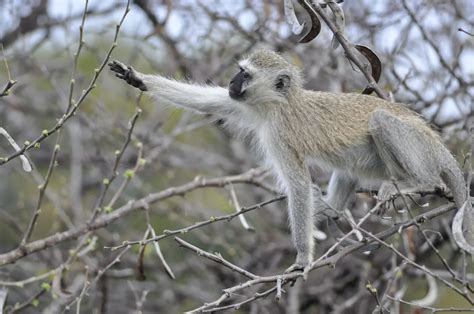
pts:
[112, 63]
[114, 68]
[120, 76]
[295, 268]
[118, 66]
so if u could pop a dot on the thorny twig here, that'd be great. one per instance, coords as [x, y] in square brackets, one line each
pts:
[11, 82]
[130, 207]
[168, 233]
[321, 262]
[75, 104]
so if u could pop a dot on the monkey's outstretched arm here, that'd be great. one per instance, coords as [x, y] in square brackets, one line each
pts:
[203, 99]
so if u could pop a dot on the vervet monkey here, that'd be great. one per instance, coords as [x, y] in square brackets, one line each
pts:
[358, 136]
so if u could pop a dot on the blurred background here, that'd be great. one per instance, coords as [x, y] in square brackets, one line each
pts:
[110, 156]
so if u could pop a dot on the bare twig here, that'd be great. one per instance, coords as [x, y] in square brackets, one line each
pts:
[350, 51]
[168, 233]
[321, 262]
[92, 84]
[217, 257]
[11, 82]
[126, 209]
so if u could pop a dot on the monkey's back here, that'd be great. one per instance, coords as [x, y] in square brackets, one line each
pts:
[339, 121]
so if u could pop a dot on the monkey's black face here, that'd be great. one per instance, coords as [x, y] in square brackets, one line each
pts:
[238, 83]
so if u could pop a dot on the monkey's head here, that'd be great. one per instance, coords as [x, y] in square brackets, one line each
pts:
[264, 76]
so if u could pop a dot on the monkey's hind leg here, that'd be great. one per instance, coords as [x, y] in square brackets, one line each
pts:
[408, 152]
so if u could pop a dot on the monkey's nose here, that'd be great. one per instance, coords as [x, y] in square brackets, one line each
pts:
[235, 94]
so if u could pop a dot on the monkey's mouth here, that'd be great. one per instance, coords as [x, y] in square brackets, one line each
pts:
[236, 95]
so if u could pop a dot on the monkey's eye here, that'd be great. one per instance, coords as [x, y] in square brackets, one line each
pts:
[246, 75]
[279, 84]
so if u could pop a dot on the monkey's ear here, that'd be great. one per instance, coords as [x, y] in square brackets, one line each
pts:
[282, 82]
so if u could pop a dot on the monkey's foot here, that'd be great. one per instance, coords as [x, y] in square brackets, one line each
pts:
[386, 195]
[441, 190]
[295, 268]
[128, 74]
[298, 268]
[384, 207]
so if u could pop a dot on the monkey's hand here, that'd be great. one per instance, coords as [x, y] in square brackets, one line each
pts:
[128, 74]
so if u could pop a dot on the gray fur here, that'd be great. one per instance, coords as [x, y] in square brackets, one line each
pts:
[359, 136]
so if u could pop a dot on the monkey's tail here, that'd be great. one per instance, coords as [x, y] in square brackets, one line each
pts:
[463, 222]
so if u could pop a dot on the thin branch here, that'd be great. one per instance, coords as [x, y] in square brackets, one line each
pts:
[169, 233]
[350, 51]
[322, 262]
[42, 189]
[217, 257]
[125, 210]
[92, 84]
